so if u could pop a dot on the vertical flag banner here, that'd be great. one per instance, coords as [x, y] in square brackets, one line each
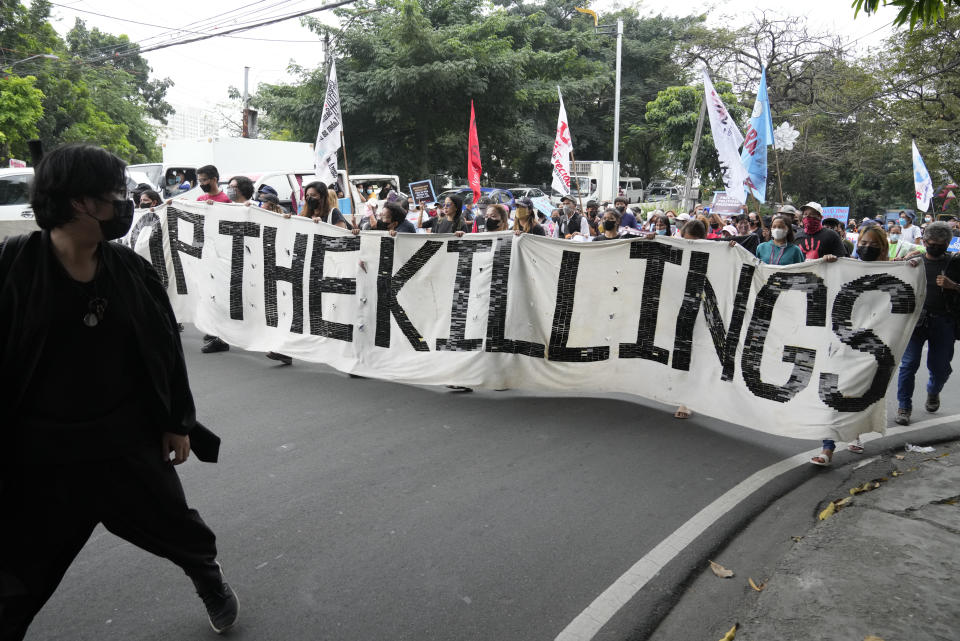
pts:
[922, 183]
[759, 136]
[329, 132]
[562, 148]
[727, 139]
[473, 157]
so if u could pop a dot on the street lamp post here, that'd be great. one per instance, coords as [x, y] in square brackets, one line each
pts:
[616, 104]
[48, 56]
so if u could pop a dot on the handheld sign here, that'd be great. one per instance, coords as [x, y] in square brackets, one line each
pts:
[840, 213]
[954, 245]
[724, 204]
[422, 192]
[343, 204]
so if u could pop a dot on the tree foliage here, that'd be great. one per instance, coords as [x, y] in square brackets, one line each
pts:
[925, 12]
[99, 90]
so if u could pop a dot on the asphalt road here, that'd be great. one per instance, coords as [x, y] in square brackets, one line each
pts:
[355, 509]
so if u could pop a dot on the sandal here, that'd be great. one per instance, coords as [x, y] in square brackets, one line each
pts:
[682, 412]
[822, 459]
[856, 447]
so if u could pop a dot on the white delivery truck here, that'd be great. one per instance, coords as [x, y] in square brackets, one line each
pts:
[593, 180]
[231, 157]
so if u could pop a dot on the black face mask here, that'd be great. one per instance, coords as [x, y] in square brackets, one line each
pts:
[714, 226]
[313, 203]
[622, 208]
[609, 225]
[936, 251]
[868, 253]
[146, 205]
[206, 187]
[119, 225]
[492, 224]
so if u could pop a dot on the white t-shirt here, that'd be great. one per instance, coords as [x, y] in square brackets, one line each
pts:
[911, 233]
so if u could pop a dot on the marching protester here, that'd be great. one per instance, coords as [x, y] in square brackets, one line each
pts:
[899, 248]
[872, 244]
[627, 219]
[837, 227]
[571, 223]
[937, 325]
[524, 222]
[714, 227]
[660, 225]
[209, 179]
[149, 198]
[815, 241]
[791, 213]
[780, 250]
[495, 218]
[317, 205]
[240, 189]
[610, 225]
[692, 230]
[908, 231]
[392, 218]
[451, 221]
[593, 219]
[95, 396]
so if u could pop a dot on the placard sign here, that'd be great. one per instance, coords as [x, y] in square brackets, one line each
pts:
[840, 213]
[17, 164]
[724, 204]
[422, 192]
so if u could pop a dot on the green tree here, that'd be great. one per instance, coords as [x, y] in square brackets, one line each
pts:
[20, 110]
[925, 12]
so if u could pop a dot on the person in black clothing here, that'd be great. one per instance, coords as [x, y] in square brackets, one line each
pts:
[525, 222]
[571, 222]
[94, 396]
[936, 326]
[451, 221]
[609, 226]
[393, 219]
[815, 241]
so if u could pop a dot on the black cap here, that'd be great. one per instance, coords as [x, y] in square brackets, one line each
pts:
[564, 199]
[525, 202]
[592, 203]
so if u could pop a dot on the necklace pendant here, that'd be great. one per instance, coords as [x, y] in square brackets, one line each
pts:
[90, 319]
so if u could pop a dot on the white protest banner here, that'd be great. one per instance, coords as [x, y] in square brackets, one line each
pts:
[562, 148]
[727, 139]
[328, 134]
[804, 351]
[922, 183]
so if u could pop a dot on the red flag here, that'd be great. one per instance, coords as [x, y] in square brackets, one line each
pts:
[473, 158]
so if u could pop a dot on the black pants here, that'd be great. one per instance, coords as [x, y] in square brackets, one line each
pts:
[49, 512]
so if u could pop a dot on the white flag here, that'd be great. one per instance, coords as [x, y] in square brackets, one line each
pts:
[328, 135]
[922, 183]
[727, 139]
[562, 148]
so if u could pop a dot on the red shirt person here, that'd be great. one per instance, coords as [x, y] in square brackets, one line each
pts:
[209, 180]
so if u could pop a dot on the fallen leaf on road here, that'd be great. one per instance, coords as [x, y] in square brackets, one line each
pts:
[845, 501]
[899, 457]
[828, 512]
[758, 588]
[871, 637]
[721, 571]
[732, 634]
[895, 473]
[796, 539]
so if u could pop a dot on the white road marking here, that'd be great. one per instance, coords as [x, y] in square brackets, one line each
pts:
[589, 622]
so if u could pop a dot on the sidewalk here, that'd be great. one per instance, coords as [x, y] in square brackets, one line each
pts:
[886, 564]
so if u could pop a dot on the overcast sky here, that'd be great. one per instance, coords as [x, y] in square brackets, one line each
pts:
[203, 71]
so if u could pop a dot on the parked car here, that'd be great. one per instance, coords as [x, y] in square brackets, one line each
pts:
[632, 189]
[527, 192]
[502, 196]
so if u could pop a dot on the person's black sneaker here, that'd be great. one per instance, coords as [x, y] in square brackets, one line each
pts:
[933, 402]
[215, 345]
[459, 388]
[208, 337]
[223, 607]
[180, 327]
[283, 358]
[903, 416]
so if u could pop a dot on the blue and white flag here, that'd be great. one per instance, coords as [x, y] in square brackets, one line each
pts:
[922, 183]
[759, 136]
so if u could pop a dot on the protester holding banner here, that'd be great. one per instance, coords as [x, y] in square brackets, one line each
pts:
[524, 221]
[609, 225]
[495, 218]
[149, 198]
[452, 220]
[209, 179]
[872, 244]
[95, 396]
[815, 241]
[317, 205]
[835, 225]
[780, 250]
[571, 223]
[938, 323]
[392, 218]
[899, 248]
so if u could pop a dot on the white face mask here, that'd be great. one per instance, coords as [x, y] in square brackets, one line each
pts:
[778, 233]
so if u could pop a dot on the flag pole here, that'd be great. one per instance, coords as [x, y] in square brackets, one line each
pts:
[579, 198]
[776, 157]
[349, 185]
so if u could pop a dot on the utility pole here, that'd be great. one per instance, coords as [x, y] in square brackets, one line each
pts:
[245, 133]
[692, 167]
[616, 116]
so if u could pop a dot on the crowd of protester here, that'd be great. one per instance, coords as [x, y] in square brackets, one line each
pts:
[788, 237]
